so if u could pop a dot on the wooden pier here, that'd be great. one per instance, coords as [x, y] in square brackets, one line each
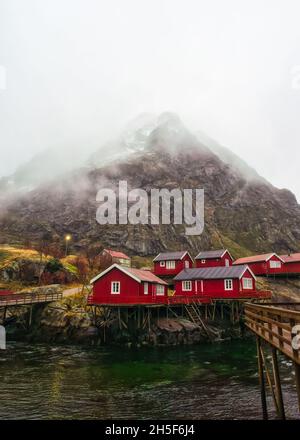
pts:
[276, 326]
[27, 300]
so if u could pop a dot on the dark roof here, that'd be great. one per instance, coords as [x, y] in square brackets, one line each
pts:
[164, 256]
[211, 273]
[206, 255]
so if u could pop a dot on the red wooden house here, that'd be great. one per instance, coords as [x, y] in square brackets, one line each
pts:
[116, 257]
[291, 264]
[171, 263]
[266, 264]
[216, 258]
[124, 285]
[216, 282]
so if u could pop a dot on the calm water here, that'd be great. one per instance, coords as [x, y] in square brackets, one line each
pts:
[72, 382]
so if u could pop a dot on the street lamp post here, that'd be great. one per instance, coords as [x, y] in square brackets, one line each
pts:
[68, 238]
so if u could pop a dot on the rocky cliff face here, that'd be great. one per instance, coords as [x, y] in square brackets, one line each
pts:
[244, 215]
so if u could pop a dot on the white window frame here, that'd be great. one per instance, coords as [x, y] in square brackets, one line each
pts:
[112, 287]
[160, 289]
[186, 286]
[228, 284]
[162, 264]
[247, 283]
[146, 288]
[227, 262]
[274, 264]
[203, 261]
[187, 264]
[171, 264]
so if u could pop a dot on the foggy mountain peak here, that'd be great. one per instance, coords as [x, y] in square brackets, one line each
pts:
[148, 132]
[145, 133]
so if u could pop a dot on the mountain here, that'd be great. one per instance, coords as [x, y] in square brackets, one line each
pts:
[43, 167]
[231, 159]
[245, 215]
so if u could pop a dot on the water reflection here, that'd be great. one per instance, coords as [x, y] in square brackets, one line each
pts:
[204, 382]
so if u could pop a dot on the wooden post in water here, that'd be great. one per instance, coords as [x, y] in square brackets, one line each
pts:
[297, 375]
[278, 389]
[30, 316]
[261, 379]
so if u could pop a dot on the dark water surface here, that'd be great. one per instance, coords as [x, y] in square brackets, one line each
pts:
[217, 381]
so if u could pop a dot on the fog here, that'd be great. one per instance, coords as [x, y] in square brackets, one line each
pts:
[74, 73]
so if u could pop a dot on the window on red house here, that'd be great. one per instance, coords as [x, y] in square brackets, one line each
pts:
[275, 264]
[247, 283]
[186, 286]
[115, 287]
[228, 284]
[160, 289]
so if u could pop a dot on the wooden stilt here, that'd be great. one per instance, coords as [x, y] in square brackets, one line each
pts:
[261, 380]
[277, 383]
[297, 375]
[269, 381]
[30, 316]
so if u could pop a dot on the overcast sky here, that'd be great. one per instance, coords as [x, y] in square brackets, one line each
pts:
[78, 70]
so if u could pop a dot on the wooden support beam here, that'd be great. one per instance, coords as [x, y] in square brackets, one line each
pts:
[297, 376]
[277, 382]
[261, 379]
[269, 380]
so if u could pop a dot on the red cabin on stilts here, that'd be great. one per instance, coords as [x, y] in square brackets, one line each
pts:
[214, 258]
[291, 264]
[119, 285]
[217, 283]
[169, 264]
[266, 264]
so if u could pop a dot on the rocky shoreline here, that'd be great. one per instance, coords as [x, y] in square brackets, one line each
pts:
[70, 322]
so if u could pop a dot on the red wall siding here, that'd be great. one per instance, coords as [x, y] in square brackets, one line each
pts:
[130, 290]
[179, 266]
[215, 262]
[216, 288]
[292, 268]
[263, 268]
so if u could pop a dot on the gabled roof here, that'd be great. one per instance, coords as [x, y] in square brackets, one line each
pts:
[206, 255]
[213, 273]
[116, 254]
[138, 275]
[256, 259]
[165, 256]
[291, 258]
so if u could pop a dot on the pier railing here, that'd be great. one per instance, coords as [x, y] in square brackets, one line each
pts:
[276, 324]
[28, 298]
[176, 299]
[277, 327]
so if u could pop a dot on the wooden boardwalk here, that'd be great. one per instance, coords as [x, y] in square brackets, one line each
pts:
[277, 327]
[28, 299]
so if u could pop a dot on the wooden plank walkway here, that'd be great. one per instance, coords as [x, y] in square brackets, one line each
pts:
[28, 298]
